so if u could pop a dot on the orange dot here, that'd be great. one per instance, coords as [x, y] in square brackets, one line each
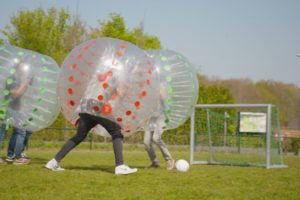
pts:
[96, 108]
[119, 119]
[137, 104]
[106, 109]
[101, 77]
[128, 112]
[70, 91]
[148, 82]
[120, 53]
[143, 94]
[72, 103]
[105, 85]
[150, 71]
[71, 78]
[122, 46]
[86, 48]
[79, 56]
[100, 97]
[109, 73]
[74, 66]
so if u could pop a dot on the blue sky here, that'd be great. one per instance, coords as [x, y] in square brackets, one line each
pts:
[255, 39]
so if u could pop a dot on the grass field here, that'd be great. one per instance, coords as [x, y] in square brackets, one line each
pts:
[89, 175]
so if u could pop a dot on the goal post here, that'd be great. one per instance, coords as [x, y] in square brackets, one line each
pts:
[236, 134]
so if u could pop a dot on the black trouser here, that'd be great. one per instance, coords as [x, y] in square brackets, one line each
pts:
[86, 123]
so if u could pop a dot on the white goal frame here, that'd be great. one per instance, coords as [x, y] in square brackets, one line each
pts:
[268, 107]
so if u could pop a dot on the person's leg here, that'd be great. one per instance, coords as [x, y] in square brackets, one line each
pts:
[163, 148]
[117, 139]
[12, 145]
[28, 134]
[84, 126]
[3, 133]
[19, 141]
[149, 148]
[19, 137]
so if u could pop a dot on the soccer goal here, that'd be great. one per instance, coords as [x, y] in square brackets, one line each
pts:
[236, 134]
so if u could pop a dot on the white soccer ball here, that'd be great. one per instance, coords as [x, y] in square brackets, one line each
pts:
[182, 165]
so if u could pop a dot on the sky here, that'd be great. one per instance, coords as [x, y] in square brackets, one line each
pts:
[251, 39]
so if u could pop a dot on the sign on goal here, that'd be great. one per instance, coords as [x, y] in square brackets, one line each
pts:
[236, 134]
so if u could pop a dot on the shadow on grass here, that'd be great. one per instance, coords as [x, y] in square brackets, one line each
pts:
[105, 168]
[35, 160]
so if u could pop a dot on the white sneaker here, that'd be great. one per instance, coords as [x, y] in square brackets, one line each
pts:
[124, 169]
[53, 165]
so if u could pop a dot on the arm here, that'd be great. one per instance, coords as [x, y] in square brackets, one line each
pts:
[18, 92]
[121, 89]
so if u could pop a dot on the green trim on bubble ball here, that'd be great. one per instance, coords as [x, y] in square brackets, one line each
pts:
[40, 99]
[169, 78]
[170, 90]
[5, 92]
[163, 58]
[167, 67]
[45, 69]
[30, 119]
[44, 79]
[9, 81]
[24, 125]
[170, 101]
[12, 70]
[35, 110]
[17, 60]
[43, 90]
[20, 53]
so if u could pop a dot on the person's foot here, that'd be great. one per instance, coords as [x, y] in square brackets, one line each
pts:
[10, 158]
[23, 155]
[124, 169]
[170, 164]
[2, 162]
[21, 161]
[53, 165]
[153, 165]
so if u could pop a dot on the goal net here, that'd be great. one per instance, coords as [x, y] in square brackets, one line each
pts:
[236, 134]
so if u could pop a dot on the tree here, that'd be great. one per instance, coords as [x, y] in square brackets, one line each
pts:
[52, 32]
[115, 27]
[214, 94]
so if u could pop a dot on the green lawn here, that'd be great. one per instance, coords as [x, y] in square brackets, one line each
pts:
[89, 175]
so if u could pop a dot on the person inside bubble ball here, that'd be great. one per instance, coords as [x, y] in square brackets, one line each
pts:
[153, 133]
[16, 85]
[85, 123]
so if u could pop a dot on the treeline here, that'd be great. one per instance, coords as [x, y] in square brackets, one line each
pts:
[285, 96]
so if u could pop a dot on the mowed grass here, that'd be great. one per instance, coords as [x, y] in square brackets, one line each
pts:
[90, 175]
